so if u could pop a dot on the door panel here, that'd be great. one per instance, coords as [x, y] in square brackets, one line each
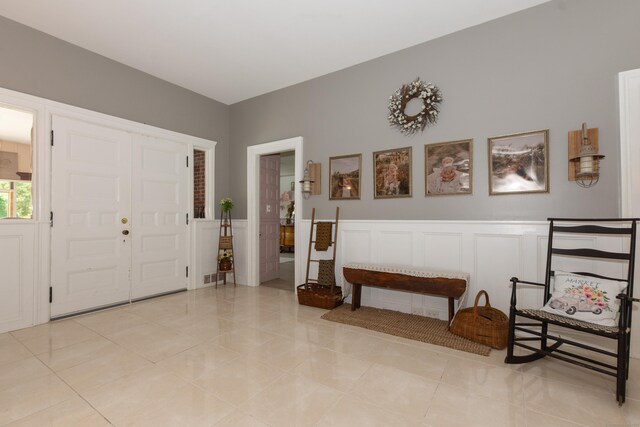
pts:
[269, 217]
[159, 235]
[90, 258]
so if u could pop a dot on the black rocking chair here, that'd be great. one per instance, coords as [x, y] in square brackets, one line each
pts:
[535, 327]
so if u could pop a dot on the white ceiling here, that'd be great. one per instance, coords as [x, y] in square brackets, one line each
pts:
[233, 50]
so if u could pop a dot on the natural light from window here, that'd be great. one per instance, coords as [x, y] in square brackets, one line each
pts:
[16, 134]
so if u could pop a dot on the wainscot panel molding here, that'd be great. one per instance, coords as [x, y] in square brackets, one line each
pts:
[17, 249]
[205, 238]
[490, 251]
[241, 248]
[206, 235]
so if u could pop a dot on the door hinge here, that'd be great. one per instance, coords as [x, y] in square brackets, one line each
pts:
[52, 138]
[187, 270]
[187, 161]
[187, 218]
[50, 294]
[51, 219]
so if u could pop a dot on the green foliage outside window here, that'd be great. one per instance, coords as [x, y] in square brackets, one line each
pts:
[4, 199]
[4, 204]
[24, 207]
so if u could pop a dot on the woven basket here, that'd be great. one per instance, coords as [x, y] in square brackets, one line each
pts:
[485, 325]
[320, 296]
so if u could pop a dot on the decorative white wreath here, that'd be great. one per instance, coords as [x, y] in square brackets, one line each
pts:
[430, 96]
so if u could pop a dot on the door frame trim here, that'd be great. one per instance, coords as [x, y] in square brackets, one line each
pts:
[254, 152]
[628, 173]
[628, 81]
[44, 109]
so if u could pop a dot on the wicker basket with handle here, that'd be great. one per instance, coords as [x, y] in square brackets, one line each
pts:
[485, 325]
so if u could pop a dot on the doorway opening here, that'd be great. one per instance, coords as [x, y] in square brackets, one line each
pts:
[285, 246]
[261, 214]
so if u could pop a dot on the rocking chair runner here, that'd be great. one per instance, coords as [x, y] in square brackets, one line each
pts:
[536, 327]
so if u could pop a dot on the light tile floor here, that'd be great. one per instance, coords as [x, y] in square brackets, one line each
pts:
[286, 279]
[253, 357]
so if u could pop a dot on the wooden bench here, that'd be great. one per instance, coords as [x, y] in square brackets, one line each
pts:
[452, 285]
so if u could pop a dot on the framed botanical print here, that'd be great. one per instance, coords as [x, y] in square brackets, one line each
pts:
[392, 173]
[448, 168]
[344, 177]
[519, 163]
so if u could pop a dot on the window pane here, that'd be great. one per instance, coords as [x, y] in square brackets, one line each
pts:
[16, 164]
[24, 206]
[199, 184]
[4, 204]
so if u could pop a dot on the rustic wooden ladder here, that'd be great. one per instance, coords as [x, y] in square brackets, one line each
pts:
[312, 240]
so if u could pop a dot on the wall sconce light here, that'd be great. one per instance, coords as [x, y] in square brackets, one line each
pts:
[584, 160]
[311, 180]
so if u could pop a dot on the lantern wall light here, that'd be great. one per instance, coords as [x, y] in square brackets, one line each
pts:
[311, 180]
[584, 160]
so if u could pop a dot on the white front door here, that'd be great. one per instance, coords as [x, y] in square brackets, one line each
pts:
[159, 236]
[117, 235]
[90, 257]
[269, 217]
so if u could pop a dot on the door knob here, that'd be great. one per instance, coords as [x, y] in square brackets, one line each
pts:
[125, 232]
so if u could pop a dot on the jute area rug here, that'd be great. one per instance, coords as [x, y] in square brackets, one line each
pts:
[411, 326]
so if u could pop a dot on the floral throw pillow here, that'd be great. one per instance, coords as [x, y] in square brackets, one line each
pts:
[585, 298]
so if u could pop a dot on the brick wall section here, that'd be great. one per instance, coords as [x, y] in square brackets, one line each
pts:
[199, 184]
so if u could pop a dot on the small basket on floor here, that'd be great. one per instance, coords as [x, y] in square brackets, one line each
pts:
[485, 325]
[320, 296]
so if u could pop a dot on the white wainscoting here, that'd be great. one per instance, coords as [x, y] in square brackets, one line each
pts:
[491, 252]
[206, 250]
[17, 270]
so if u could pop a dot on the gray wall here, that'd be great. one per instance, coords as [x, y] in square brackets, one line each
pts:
[549, 67]
[38, 64]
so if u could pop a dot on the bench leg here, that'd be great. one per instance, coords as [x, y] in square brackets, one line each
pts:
[355, 298]
[451, 309]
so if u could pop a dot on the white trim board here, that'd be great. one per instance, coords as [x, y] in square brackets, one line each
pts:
[629, 93]
[253, 210]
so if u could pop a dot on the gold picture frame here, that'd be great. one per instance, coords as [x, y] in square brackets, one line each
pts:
[344, 177]
[392, 173]
[448, 168]
[519, 163]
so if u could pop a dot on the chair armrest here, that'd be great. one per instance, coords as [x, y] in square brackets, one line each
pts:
[625, 297]
[515, 280]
